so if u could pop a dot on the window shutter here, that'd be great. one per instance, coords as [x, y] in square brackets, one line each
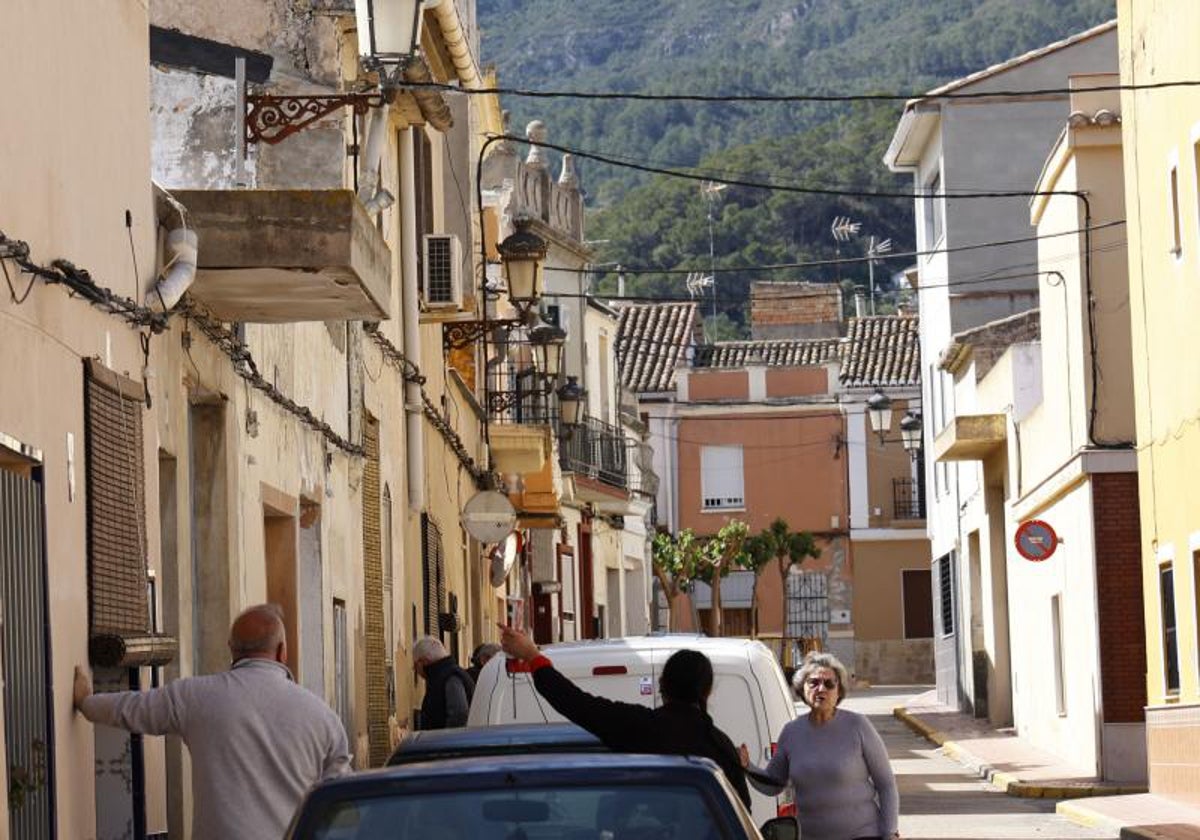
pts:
[721, 477]
[118, 585]
[433, 574]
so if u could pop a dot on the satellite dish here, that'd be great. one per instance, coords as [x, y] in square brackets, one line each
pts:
[489, 516]
[503, 557]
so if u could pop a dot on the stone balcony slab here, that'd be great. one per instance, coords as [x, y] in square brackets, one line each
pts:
[971, 437]
[282, 256]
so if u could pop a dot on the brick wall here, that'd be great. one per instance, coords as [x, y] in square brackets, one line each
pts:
[795, 310]
[1119, 581]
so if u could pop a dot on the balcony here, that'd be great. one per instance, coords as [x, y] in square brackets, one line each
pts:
[282, 256]
[907, 503]
[597, 450]
[972, 437]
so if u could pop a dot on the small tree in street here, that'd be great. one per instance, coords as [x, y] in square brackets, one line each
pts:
[787, 547]
[676, 560]
[722, 553]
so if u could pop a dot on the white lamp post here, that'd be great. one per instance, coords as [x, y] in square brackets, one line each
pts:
[879, 411]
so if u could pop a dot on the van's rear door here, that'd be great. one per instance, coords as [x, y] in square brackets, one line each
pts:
[616, 672]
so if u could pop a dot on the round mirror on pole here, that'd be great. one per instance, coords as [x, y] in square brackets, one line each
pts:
[910, 434]
[879, 411]
[570, 398]
[522, 254]
[548, 341]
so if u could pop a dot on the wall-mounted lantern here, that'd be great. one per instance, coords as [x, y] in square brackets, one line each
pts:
[389, 31]
[910, 434]
[548, 341]
[570, 399]
[879, 411]
[522, 254]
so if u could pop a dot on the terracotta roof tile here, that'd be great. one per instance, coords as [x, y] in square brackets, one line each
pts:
[795, 352]
[652, 339]
[881, 350]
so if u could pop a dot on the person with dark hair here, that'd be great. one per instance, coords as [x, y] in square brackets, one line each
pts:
[680, 726]
[480, 657]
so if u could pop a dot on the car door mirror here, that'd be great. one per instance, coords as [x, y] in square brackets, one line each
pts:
[781, 828]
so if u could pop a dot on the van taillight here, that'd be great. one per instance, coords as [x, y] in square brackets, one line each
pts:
[786, 809]
[609, 670]
[774, 746]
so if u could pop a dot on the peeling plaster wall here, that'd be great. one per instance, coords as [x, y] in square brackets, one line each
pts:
[193, 129]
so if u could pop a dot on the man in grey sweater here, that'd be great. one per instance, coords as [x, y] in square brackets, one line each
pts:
[258, 741]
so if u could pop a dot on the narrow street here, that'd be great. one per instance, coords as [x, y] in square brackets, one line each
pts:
[939, 798]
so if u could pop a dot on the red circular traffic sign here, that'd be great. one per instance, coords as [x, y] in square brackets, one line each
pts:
[1036, 540]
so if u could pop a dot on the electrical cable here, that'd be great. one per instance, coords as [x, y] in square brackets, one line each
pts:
[18, 300]
[998, 243]
[760, 185]
[912, 98]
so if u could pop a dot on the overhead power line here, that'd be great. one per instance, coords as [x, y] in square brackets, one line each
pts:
[624, 163]
[998, 243]
[927, 96]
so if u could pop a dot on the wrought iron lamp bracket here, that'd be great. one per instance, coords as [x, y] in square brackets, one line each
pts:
[270, 118]
[459, 334]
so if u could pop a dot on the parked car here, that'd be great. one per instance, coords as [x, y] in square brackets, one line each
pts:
[750, 700]
[504, 739]
[572, 796]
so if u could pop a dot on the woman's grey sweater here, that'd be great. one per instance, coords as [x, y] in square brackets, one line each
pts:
[842, 777]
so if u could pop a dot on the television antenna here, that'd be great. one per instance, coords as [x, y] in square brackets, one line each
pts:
[712, 194]
[843, 229]
[876, 248]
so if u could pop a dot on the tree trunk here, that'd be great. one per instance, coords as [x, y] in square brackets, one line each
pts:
[715, 620]
[670, 589]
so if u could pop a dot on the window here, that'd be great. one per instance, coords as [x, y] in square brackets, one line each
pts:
[1170, 641]
[917, 594]
[721, 478]
[433, 568]
[1060, 689]
[389, 605]
[946, 593]
[935, 213]
[1176, 239]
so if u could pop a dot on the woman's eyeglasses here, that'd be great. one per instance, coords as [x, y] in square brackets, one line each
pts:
[817, 682]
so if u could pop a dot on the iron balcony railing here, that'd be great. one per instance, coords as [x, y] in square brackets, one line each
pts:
[906, 499]
[596, 449]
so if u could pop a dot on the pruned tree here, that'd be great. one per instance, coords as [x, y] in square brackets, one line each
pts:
[675, 561]
[723, 553]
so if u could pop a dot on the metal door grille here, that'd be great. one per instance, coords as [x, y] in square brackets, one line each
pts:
[808, 607]
[433, 567]
[28, 742]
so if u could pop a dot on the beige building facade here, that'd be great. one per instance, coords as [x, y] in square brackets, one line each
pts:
[1162, 187]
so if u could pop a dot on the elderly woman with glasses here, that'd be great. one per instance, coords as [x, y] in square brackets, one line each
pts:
[835, 760]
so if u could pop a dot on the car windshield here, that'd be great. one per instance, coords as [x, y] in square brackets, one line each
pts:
[625, 812]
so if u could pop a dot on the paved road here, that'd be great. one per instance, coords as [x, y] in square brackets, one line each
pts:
[939, 798]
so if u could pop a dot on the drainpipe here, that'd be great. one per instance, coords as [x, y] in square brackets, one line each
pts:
[410, 307]
[372, 154]
[180, 270]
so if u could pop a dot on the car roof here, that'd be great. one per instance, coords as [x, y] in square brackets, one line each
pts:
[503, 737]
[535, 768]
[660, 641]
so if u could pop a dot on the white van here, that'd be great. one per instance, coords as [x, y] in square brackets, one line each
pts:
[750, 700]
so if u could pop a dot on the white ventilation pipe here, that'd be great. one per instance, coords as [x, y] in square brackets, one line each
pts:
[368, 178]
[410, 322]
[179, 272]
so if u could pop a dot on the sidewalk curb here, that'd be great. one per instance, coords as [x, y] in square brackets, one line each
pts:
[1080, 814]
[1009, 783]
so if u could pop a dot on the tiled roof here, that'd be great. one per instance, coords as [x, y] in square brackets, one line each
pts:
[881, 350]
[794, 352]
[651, 340]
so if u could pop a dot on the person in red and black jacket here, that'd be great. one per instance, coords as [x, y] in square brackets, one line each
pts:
[681, 726]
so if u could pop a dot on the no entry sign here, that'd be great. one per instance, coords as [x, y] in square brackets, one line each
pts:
[1036, 540]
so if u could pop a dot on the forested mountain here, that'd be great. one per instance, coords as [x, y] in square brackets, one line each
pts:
[738, 47]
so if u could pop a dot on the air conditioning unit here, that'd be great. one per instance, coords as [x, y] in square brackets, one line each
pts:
[441, 283]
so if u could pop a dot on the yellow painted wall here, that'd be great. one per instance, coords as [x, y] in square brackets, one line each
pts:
[1161, 130]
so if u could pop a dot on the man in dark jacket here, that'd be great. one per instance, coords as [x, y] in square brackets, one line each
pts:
[681, 726]
[448, 688]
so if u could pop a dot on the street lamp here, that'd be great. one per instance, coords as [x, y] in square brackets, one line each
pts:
[570, 398]
[522, 254]
[548, 341]
[879, 410]
[389, 31]
[910, 434]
